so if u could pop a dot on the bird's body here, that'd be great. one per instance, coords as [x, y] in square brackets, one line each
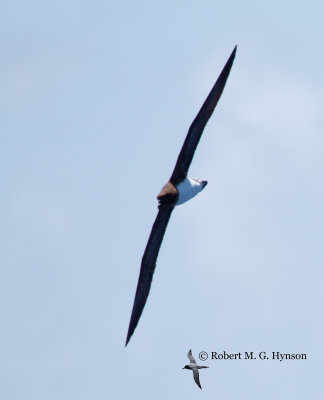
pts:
[179, 189]
[181, 192]
[188, 189]
[194, 367]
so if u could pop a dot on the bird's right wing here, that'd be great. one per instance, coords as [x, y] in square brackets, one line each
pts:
[191, 358]
[196, 377]
[196, 129]
[148, 265]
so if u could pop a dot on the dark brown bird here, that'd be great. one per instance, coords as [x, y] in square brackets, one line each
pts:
[179, 189]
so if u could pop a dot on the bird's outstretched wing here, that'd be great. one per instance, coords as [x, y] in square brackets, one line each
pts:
[148, 265]
[196, 129]
[191, 358]
[196, 377]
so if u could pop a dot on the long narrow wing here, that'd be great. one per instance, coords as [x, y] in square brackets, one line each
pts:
[191, 358]
[196, 377]
[148, 266]
[196, 129]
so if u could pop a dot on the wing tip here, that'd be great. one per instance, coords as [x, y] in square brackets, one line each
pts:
[232, 56]
[130, 332]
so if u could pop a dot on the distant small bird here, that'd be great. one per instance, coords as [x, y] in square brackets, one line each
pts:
[194, 367]
[179, 189]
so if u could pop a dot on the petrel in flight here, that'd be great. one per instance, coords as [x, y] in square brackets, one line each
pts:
[194, 368]
[179, 189]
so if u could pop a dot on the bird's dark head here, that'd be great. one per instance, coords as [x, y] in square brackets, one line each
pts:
[203, 183]
[186, 367]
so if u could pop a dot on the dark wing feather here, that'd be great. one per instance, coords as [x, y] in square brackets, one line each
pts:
[191, 358]
[148, 265]
[196, 129]
[196, 377]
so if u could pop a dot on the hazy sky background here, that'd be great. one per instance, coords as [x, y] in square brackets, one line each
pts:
[95, 101]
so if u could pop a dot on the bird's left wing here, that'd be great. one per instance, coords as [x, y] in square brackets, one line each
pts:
[191, 358]
[148, 265]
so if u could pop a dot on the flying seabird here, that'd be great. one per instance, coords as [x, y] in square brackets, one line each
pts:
[179, 189]
[194, 367]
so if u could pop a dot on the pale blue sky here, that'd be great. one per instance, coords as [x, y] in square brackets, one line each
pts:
[95, 102]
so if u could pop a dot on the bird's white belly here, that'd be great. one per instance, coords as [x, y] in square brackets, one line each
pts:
[188, 189]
